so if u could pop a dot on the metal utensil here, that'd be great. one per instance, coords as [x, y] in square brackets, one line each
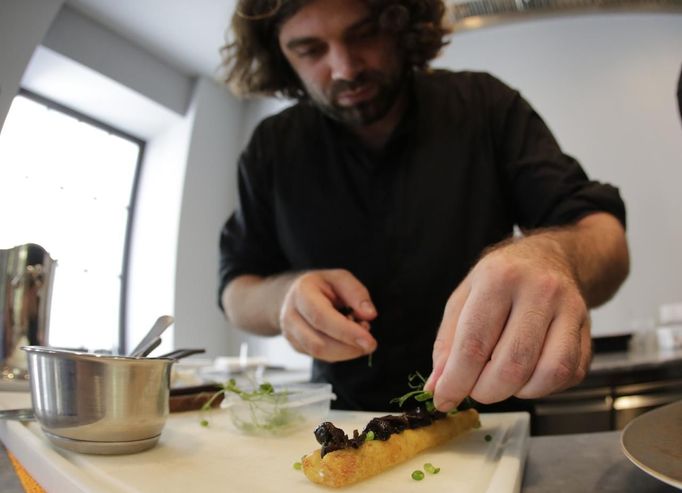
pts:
[151, 348]
[181, 353]
[18, 414]
[150, 340]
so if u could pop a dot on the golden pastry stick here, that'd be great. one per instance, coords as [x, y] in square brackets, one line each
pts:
[348, 466]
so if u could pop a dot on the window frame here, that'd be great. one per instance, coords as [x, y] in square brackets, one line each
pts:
[127, 242]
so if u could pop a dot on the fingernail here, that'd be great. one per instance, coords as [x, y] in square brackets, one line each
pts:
[366, 346]
[368, 308]
[445, 406]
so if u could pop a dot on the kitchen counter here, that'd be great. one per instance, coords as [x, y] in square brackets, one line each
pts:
[634, 360]
[619, 387]
[585, 462]
[566, 464]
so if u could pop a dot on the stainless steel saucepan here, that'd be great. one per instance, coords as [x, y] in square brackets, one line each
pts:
[96, 403]
[100, 404]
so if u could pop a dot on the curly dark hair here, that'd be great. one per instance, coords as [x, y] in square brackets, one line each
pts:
[253, 63]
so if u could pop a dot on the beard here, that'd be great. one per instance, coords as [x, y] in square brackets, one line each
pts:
[389, 88]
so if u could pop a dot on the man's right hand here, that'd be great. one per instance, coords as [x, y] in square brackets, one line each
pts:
[311, 320]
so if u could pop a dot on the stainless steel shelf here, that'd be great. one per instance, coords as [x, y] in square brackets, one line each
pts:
[482, 13]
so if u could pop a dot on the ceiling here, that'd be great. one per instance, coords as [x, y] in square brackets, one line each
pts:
[187, 35]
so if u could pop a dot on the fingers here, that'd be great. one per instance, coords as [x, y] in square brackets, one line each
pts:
[446, 332]
[564, 362]
[307, 340]
[516, 354]
[480, 323]
[311, 321]
[352, 293]
[501, 339]
[318, 312]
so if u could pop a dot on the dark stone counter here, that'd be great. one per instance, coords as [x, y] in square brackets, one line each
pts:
[583, 463]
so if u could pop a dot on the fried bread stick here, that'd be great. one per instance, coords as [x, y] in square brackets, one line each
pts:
[346, 466]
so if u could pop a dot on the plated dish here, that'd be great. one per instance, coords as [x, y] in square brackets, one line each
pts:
[653, 442]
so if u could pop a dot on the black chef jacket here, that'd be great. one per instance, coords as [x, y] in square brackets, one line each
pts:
[469, 160]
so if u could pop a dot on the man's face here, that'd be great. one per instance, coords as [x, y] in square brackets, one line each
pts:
[349, 68]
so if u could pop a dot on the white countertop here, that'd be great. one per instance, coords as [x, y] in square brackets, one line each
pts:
[192, 458]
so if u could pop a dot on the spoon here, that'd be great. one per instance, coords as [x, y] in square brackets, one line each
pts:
[151, 339]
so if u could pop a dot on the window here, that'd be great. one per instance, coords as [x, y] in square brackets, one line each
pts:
[67, 183]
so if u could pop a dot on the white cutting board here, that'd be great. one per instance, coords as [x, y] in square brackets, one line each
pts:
[189, 457]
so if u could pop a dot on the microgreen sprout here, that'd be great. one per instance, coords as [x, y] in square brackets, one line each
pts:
[428, 467]
[416, 382]
[266, 408]
[298, 466]
[417, 475]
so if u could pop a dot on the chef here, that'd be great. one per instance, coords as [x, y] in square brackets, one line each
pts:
[398, 218]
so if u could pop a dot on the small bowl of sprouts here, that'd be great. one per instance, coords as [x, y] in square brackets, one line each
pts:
[268, 410]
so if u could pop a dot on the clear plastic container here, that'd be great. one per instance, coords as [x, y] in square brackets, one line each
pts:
[669, 331]
[288, 409]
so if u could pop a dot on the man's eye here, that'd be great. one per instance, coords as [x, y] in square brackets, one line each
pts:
[310, 52]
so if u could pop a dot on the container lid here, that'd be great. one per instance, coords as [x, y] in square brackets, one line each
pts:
[290, 395]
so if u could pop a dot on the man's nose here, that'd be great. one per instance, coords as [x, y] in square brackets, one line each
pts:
[344, 63]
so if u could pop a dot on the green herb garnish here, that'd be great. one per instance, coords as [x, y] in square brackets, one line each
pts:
[417, 475]
[369, 436]
[266, 409]
[298, 466]
[428, 467]
[416, 382]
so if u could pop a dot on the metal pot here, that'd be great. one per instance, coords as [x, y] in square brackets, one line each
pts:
[99, 404]
[26, 279]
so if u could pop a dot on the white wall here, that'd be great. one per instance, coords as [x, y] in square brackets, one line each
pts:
[606, 86]
[152, 275]
[23, 24]
[209, 194]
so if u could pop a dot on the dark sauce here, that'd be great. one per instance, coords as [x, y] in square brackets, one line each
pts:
[332, 438]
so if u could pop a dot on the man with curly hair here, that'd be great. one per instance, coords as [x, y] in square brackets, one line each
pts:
[376, 217]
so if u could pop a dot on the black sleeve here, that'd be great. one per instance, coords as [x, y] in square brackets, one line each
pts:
[248, 240]
[546, 187]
